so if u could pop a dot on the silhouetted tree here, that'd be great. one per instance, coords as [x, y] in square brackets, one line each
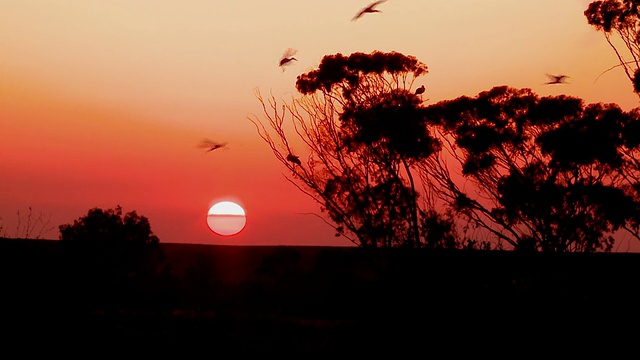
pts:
[620, 17]
[364, 133]
[112, 250]
[546, 174]
[542, 174]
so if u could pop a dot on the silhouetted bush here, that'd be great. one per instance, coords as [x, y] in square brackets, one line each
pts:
[114, 258]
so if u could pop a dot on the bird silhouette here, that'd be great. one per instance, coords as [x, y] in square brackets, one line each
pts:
[420, 90]
[556, 79]
[294, 159]
[211, 145]
[368, 9]
[287, 57]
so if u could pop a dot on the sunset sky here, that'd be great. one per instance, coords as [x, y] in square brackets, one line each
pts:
[103, 103]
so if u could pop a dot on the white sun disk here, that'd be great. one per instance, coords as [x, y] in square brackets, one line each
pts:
[226, 218]
[226, 208]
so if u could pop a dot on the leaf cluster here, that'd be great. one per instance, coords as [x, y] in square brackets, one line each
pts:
[111, 243]
[538, 173]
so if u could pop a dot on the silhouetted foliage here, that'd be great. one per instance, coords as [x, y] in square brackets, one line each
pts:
[551, 174]
[619, 17]
[112, 250]
[348, 72]
[110, 227]
[364, 133]
[531, 173]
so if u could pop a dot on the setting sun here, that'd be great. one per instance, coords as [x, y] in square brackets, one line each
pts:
[226, 218]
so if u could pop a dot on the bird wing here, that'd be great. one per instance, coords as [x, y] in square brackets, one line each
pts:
[206, 143]
[358, 15]
[367, 9]
[557, 77]
[289, 52]
[373, 5]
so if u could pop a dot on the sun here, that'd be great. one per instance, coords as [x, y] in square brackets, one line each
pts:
[226, 218]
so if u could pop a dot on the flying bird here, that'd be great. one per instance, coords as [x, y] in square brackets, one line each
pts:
[556, 79]
[369, 9]
[287, 57]
[294, 159]
[420, 90]
[211, 145]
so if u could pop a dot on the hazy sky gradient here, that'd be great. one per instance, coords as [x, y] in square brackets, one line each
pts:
[104, 102]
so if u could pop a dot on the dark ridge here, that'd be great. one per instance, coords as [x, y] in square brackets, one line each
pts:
[306, 298]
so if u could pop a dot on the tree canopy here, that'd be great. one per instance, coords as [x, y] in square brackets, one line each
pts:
[116, 256]
[548, 173]
[364, 132]
[505, 168]
[111, 243]
[105, 227]
[620, 17]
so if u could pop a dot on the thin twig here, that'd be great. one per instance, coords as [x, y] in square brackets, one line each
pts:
[611, 68]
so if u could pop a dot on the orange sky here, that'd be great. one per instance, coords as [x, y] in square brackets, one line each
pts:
[103, 103]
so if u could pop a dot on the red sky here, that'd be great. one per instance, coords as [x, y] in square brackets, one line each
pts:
[104, 103]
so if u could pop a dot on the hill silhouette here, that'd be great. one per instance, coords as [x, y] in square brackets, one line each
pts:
[314, 299]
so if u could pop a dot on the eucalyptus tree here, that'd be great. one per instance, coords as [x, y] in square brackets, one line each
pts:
[545, 174]
[619, 22]
[363, 133]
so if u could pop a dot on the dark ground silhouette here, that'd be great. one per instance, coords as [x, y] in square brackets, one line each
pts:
[314, 300]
